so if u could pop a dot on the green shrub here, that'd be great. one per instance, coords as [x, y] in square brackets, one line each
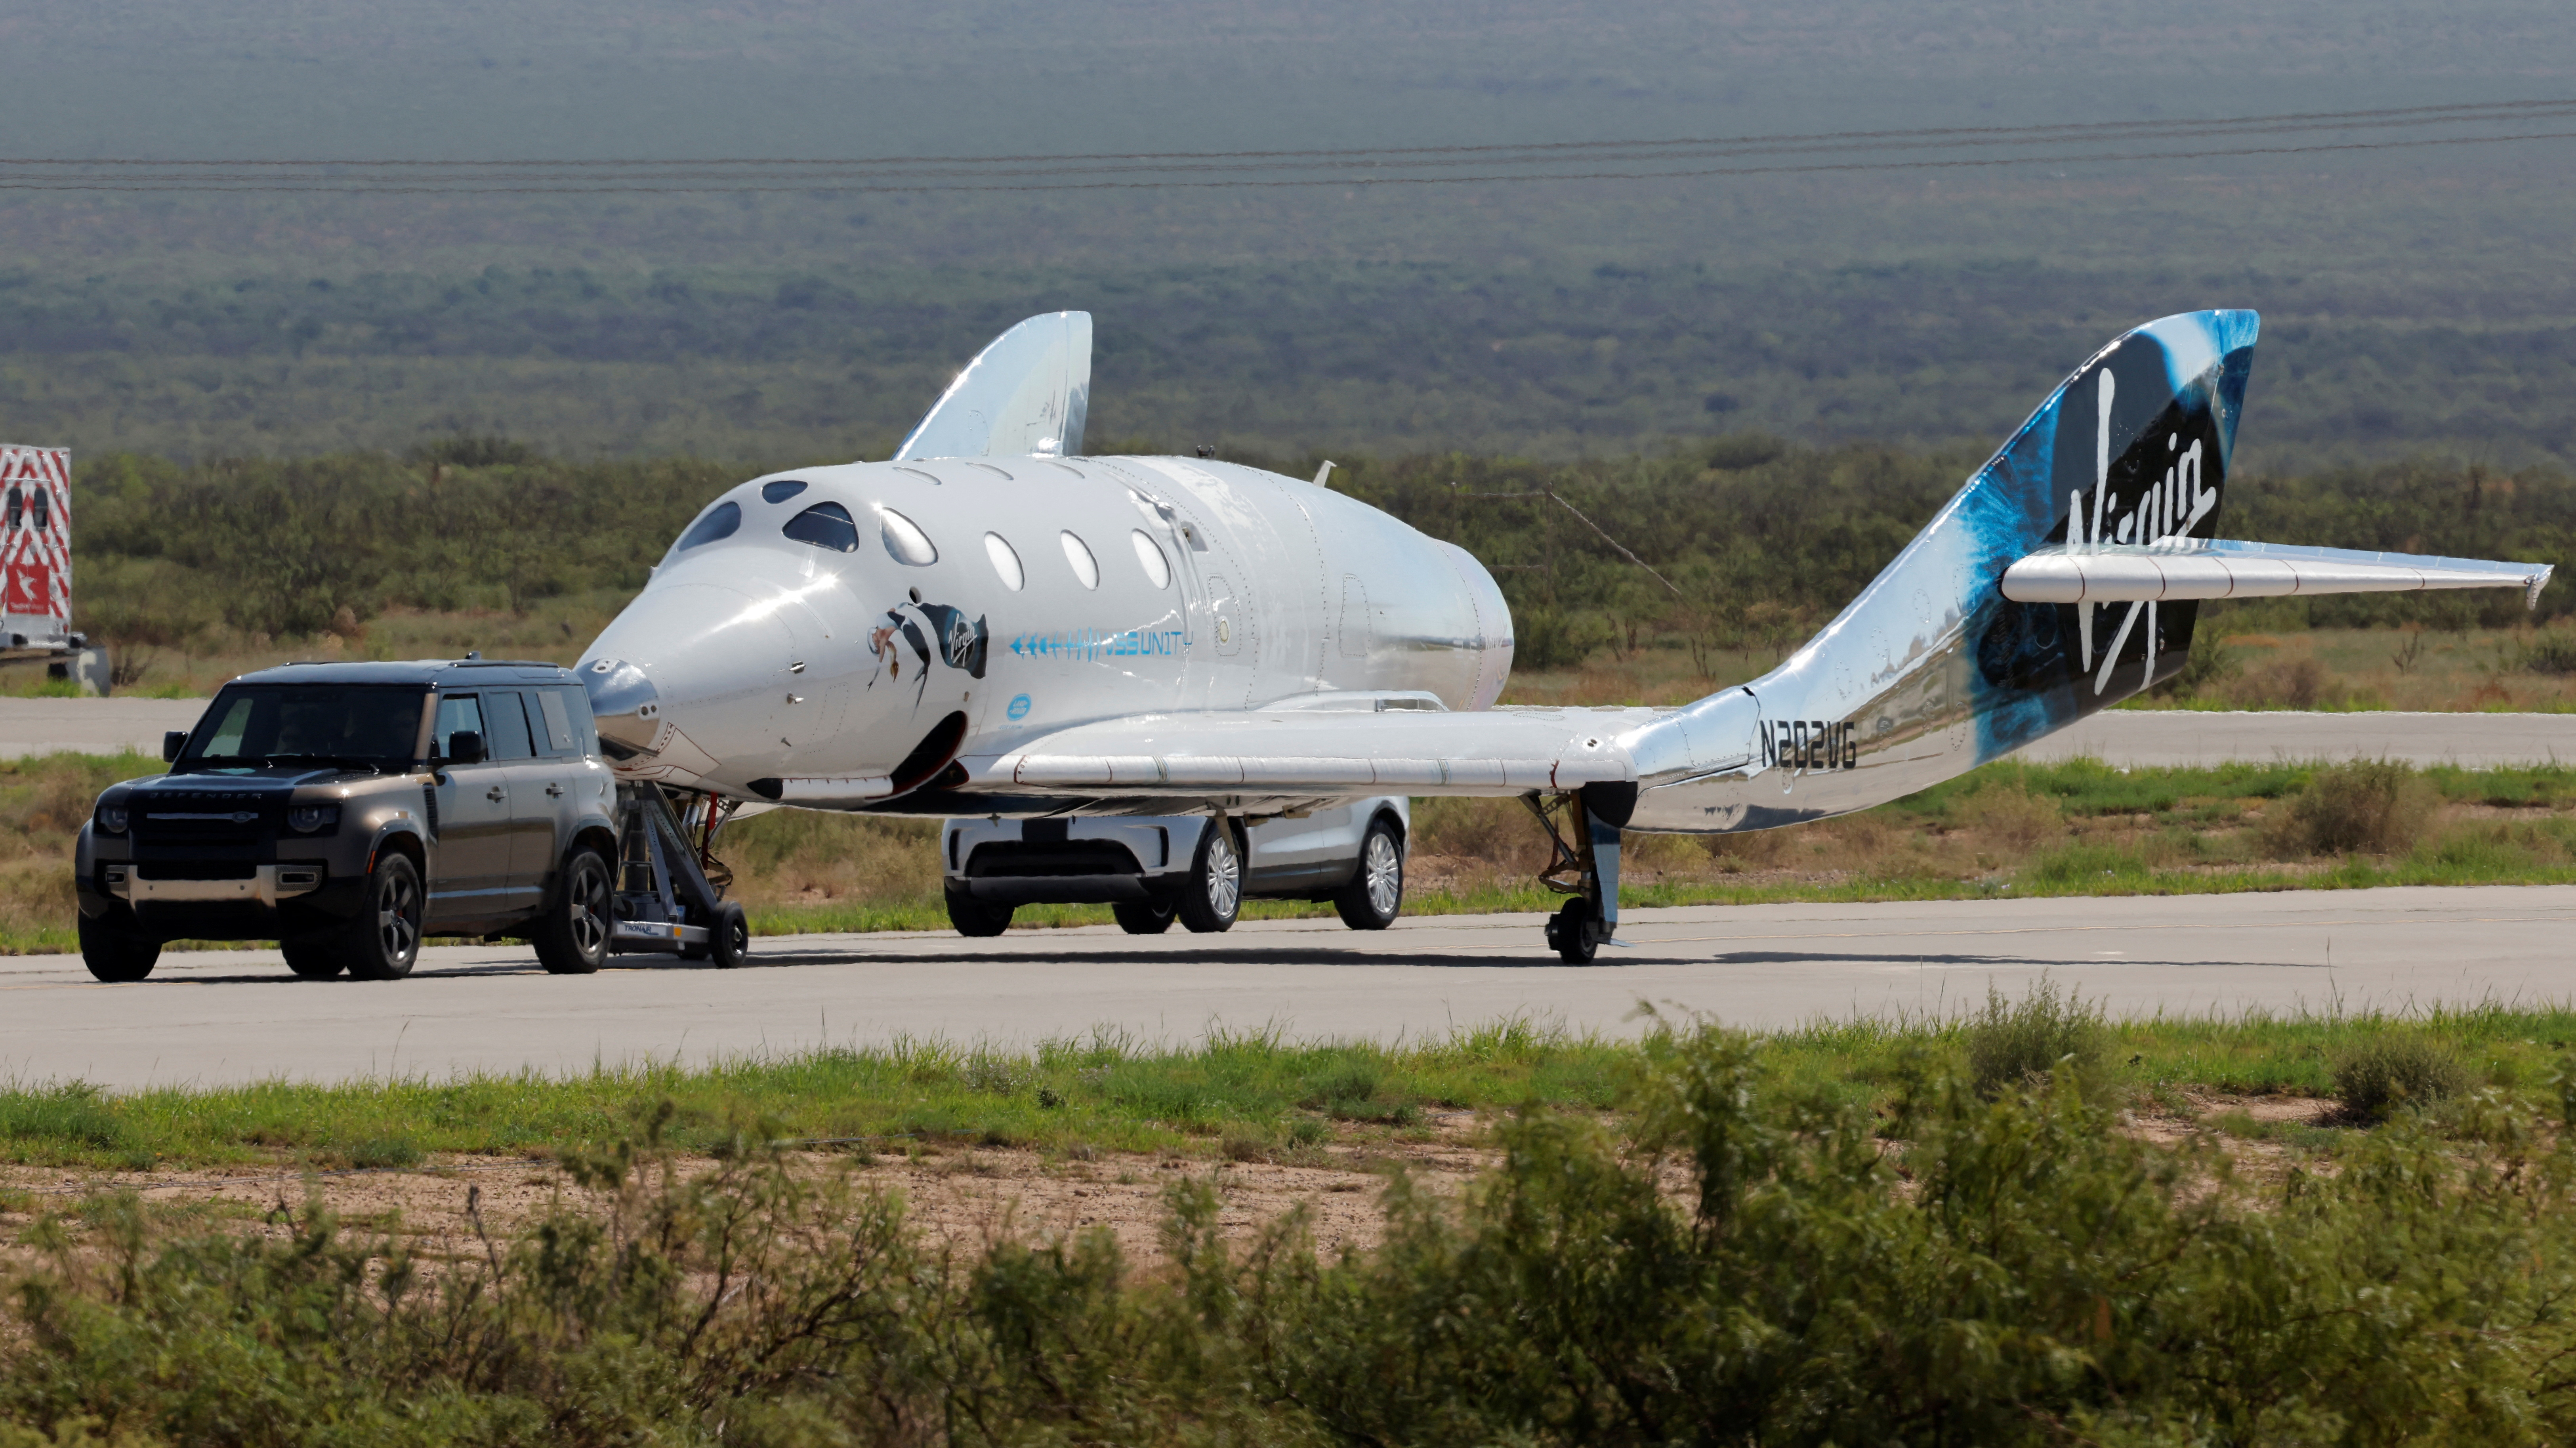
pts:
[2371, 806]
[2551, 651]
[2393, 1069]
[2050, 1029]
[2086, 868]
[1736, 1253]
[69, 1113]
[385, 1152]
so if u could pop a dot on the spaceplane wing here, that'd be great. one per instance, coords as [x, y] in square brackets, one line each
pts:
[992, 623]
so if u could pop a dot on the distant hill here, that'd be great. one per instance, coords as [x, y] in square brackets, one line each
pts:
[2417, 300]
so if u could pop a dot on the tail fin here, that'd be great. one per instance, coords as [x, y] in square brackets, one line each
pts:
[1931, 670]
[1027, 394]
[2065, 577]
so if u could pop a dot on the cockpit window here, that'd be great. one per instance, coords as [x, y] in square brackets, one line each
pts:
[781, 490]
[825, 525]
[717, 522]
[905, 541]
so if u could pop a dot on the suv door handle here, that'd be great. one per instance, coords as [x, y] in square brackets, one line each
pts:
[554, 791]
[495, 794]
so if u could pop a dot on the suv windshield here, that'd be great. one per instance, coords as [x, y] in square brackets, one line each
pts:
[253, 726]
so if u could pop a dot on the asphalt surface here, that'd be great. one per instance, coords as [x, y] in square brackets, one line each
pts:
[2119, 736]
[230, 1016]
[91, 726]
[2179, 737]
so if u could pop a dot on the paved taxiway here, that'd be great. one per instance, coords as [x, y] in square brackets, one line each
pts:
[2119, 736]
[217, 1017]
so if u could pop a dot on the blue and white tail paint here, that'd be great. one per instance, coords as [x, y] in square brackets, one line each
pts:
[2064, 577]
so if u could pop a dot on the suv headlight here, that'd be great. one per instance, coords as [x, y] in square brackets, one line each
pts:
[111, 819]
[313, 819]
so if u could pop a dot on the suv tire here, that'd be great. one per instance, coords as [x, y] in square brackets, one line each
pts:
[382, 942]
[114, 947]
[312, 957]
[1375, 893]
[729, 938]
[980, 919]
[1143, 917]
[1212, 897]
[572, 938]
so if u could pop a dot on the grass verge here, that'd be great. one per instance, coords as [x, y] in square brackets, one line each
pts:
[1837, 1235]
[1110, 1093]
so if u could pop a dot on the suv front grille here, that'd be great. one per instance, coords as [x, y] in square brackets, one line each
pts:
[160, 819]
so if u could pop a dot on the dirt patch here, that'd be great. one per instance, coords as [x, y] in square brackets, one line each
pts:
[2256, 1132]
[962, 1197]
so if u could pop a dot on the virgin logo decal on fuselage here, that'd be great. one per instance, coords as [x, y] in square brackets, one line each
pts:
[920, 629]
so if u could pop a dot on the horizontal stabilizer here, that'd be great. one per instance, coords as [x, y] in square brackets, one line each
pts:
[2195, 568]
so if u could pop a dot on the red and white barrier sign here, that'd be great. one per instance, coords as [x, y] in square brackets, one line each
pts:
[35, 543]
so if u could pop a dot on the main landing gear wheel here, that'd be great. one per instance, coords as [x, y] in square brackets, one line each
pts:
[382, 942]
[1213, 895]
[1143, 917]
[1574, 932]
[979, 919]
[1376, 889]
[114, 947]
[573, 937]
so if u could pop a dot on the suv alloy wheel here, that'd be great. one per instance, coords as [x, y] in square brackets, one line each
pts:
[572, 939]
[1376, 889]
[1213, 896]
[382, 942]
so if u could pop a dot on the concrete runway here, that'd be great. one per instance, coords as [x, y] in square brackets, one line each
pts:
[2119, 736]
[91, 726]
[230, 1016]
[2163, 737]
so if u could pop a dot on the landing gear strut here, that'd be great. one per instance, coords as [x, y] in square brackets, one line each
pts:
[1587, 869]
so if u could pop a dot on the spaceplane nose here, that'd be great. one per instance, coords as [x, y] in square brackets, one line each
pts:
[626, 705]
[686, 674]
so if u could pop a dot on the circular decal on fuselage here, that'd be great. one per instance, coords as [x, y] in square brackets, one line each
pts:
[1019, 706]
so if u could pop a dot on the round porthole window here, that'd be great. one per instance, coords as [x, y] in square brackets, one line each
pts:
[1149, 556]
[1005, 562]
[905, 540]
[1078, 554]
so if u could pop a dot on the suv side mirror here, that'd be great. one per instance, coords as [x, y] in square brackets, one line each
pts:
[465, 746]
[173, 743]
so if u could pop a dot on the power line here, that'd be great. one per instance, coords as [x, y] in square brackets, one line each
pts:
[2296, 120]
[1412, 166]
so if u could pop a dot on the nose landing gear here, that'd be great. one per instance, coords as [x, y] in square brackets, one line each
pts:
[1587, 869]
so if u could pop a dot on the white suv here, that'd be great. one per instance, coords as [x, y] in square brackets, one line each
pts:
[1191, 868]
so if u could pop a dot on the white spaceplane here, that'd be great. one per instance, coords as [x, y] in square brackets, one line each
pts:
[993, 624]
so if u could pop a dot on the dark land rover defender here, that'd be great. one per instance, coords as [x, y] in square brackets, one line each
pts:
[347, 810]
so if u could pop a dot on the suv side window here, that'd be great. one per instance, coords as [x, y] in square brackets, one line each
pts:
[455, 712]
[559, 736]
[507, 737]
[585, 729]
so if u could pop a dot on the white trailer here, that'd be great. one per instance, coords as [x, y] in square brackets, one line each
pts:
[36, 567]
